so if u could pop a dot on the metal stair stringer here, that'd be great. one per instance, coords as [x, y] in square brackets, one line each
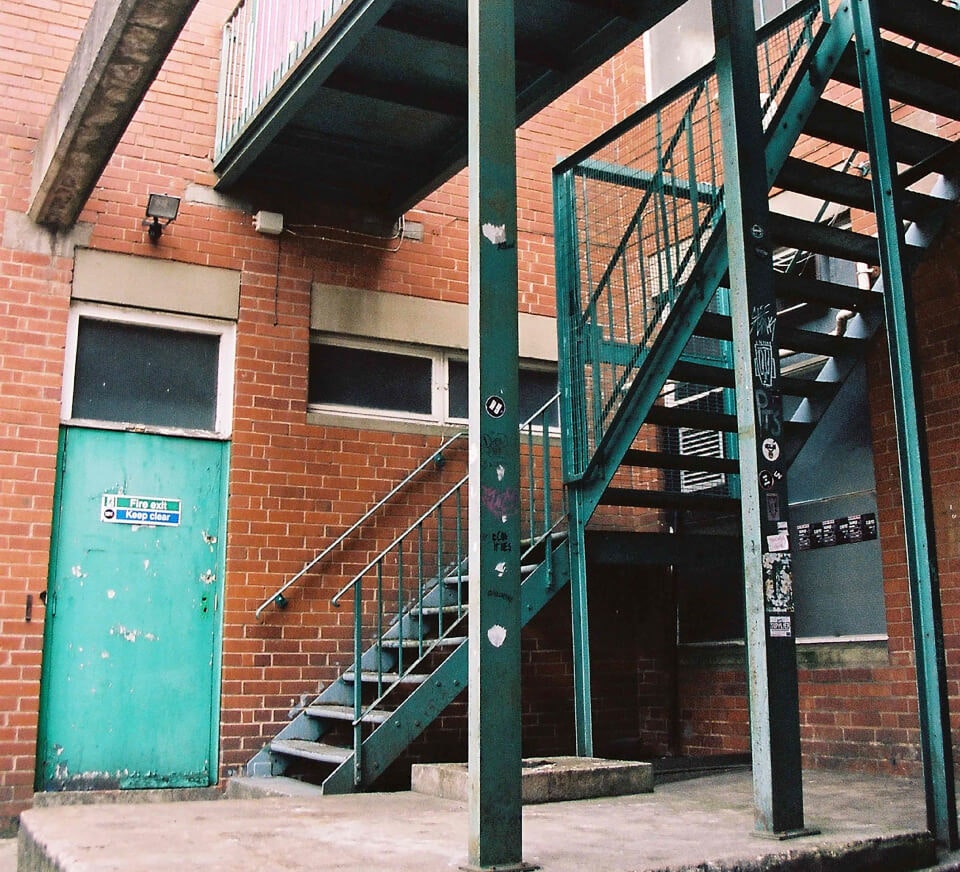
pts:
[428, 700]
[802, 96]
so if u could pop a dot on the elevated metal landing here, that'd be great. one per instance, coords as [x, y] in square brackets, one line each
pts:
[372, 114]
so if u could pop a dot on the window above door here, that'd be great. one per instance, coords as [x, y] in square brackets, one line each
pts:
[160, 373]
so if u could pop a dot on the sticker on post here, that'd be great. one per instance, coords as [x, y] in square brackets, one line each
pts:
[778, 542]
[146, 511]
[770, 448]
[495, 407]
[781, 626]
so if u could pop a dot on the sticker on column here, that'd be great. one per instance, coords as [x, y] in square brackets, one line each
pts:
[781, 626]
[778, 582]
[495, 407]
[497, 635]
[771, 449]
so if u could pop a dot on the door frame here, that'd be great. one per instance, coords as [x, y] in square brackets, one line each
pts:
[226, 330]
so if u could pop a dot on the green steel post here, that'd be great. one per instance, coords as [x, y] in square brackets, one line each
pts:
[574, 448]
[580, 612]
[768, 578]
[495, 838]
[918, 525]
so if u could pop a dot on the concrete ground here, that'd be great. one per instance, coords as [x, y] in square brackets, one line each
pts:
[682, 825]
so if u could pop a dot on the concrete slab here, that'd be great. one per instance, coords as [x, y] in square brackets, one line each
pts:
[547, 779]
[865, 823]
[8, 855]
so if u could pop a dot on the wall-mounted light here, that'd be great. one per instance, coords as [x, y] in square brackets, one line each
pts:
[160, 207]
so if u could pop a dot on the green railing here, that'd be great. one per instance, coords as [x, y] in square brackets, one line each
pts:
[262, 41]
[635, 211]
[410, 600]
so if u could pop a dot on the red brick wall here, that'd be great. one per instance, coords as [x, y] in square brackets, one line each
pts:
[293, 485]
[865, 717]
[34, 296]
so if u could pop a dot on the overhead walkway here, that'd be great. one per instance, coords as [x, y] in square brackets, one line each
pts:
[363, 105]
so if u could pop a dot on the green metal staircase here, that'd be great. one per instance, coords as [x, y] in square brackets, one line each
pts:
[647, 404]
[409, 621]
[646, 361]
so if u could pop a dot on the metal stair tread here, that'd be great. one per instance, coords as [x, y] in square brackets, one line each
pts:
[913, 78]
[801, 289]
[824, 239]
[447, 609]
[371, 676]
[414, 642]
[841, 125]
[823, 183]
[636, 498]
[722, 376]
[308, 750]
[346, 713]
[689, 462]
[717, 326]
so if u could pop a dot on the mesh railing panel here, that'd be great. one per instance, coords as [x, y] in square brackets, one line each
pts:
[643, 203]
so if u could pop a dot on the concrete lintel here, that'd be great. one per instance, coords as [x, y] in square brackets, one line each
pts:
[120, 51]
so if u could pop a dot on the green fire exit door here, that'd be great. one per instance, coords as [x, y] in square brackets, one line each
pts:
[130, 678]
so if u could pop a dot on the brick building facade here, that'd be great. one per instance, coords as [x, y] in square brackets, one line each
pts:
[298, 475]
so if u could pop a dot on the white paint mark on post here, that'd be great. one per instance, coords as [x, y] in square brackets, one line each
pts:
[496, 233]
[497, 635]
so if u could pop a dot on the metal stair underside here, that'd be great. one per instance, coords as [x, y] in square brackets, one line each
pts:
[927, 83]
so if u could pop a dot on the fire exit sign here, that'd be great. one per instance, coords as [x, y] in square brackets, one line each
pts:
[153, 511]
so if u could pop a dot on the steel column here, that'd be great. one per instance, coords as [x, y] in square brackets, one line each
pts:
[911, 440]
[768, 577]
[574, 446]
[580, 613]
[495, 838]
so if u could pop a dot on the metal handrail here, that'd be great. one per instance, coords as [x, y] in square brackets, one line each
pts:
[411, 574]
[262, 41]
[433, 458]
[335, 599]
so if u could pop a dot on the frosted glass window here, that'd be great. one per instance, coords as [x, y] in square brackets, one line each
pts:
[152, 376]
[683, 41]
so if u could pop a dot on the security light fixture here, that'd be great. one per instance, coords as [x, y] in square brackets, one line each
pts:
[160, 207]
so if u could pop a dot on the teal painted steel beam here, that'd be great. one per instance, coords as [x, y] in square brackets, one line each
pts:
[628, 177]
[494, 754]
[935, 740]
[767, 569]
[580, 625]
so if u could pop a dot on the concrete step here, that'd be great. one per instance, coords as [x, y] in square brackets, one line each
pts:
[243, 787]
